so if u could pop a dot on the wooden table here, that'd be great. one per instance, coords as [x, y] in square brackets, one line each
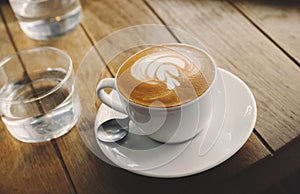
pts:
[259, 41]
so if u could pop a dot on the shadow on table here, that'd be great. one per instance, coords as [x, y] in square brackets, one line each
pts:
[282, 167]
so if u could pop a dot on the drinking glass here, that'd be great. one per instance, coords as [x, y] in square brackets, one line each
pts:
[38, 96]
[44, 19]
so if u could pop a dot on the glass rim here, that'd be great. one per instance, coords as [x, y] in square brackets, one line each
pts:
[52, 90]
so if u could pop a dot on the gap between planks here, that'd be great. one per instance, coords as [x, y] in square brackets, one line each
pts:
[98, 52]
[53, 142]
[264, 33]
[63, 164]
[161, 20]
[263, 141]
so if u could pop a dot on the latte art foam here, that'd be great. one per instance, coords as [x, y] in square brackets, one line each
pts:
[163, 66]
[162, 76]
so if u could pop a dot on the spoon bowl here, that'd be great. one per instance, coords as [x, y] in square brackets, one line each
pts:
[113, 130]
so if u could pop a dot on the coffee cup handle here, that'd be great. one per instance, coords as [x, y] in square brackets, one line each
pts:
[105, 98]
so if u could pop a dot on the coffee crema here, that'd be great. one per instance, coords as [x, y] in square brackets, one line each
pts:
[162, 76]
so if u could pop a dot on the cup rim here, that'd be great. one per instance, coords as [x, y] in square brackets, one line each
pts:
[52, 90]
[181, 105]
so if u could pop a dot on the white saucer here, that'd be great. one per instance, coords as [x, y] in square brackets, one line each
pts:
[138, 152]
[141, 155]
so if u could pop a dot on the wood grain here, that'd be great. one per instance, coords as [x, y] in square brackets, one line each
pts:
[6, 47]
[92, 175]
[100, 177]
[102, 18]
[278, 19]
[27, 168]
[239, 47]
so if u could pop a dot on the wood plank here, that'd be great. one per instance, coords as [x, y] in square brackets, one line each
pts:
[101, 19]
[278, 19]
[239, 47]
[97, 176]
[27, 168]
[6, 47]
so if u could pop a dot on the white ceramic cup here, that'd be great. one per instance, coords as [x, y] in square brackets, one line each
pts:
[168, 125]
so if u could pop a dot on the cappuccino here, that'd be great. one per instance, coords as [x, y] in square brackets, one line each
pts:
[164, 76]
